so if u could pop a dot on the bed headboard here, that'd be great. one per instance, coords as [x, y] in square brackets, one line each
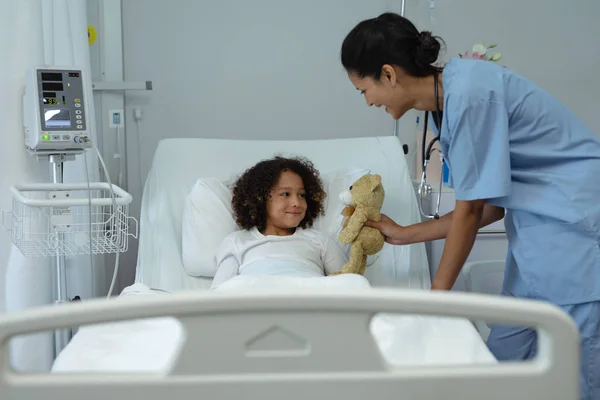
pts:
[178, 163]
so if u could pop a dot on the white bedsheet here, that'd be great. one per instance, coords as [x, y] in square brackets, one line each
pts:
[150, 345]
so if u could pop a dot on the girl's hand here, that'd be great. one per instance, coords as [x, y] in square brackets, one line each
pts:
[394, 233]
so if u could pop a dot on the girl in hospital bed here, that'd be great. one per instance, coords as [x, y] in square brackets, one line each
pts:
[275, 203]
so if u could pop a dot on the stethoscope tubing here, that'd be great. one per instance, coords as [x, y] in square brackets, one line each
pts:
[426, 152]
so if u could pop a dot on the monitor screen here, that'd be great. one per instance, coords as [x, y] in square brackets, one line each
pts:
[57, 118]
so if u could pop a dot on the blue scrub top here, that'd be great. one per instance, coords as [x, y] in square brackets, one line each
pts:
[508, 141]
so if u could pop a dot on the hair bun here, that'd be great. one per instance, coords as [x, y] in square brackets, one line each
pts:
[428, 49]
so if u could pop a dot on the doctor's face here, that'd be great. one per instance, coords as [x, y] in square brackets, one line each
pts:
[385, 92]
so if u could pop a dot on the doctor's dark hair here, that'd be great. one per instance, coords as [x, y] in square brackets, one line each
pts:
[389, 39]
[252, 190]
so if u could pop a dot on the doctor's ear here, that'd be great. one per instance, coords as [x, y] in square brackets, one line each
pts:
[388, 74]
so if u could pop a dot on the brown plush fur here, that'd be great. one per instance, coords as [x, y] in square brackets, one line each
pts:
[367, 197]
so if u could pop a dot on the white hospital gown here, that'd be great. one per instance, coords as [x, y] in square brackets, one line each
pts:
[307, 253]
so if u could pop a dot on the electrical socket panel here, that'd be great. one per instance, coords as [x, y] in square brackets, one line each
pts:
[116, 118]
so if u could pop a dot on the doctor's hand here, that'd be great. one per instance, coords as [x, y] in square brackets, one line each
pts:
[394, 233]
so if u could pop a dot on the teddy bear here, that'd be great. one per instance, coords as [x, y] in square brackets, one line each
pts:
[363, 201]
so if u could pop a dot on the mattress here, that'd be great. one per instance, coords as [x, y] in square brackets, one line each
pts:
[179, 163]
[151, 345]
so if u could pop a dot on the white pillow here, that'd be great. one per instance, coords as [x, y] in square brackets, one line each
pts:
[207, 219]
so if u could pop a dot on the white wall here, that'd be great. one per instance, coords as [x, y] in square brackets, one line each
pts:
[262, 69]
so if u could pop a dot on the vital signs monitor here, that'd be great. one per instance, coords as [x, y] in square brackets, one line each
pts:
[55, 110]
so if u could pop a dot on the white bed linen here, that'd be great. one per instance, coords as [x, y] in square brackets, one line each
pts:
[150, 345]
[179, 163]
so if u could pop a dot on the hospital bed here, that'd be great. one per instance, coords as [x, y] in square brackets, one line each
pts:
[179, 163]
[167, 335]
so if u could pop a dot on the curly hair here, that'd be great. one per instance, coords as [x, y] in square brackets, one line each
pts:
[253, 188]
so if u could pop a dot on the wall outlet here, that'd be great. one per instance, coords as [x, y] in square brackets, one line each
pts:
[116, 118]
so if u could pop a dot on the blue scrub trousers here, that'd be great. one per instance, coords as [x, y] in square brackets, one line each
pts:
[509, 343]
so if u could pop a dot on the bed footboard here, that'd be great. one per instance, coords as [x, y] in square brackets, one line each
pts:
[301, 346]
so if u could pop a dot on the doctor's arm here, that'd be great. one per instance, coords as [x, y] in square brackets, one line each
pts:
[434, 229]
[459, 242]
[479, 152]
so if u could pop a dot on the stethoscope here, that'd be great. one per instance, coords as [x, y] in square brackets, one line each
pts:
[424, 188]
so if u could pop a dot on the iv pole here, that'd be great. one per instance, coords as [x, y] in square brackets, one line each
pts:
[61, 336]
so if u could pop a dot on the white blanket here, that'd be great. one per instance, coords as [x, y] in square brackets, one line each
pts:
[150, 345]
[262, 283]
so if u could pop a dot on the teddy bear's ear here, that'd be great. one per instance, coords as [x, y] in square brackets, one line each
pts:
[375, 181]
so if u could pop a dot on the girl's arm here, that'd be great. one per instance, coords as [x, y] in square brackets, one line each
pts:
[227, 269]
[227, 263]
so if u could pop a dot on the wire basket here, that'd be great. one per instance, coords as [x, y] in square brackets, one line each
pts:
[53, 219]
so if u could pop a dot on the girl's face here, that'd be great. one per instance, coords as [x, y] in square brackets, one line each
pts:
[286, 206]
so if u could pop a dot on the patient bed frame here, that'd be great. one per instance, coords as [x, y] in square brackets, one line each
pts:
[331, 355]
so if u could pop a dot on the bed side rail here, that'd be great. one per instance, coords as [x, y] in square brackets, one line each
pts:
[333, 352]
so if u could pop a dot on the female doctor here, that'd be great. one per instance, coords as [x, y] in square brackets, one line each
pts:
[513, 151]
